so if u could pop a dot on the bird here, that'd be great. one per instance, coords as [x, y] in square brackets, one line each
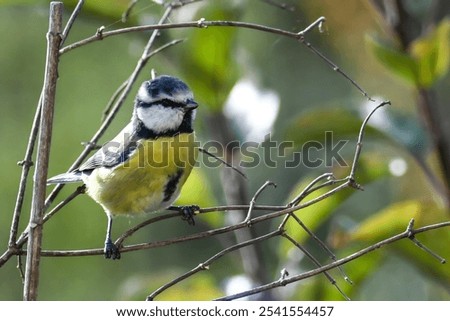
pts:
[144, 167]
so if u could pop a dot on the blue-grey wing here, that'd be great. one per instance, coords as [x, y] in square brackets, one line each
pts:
[109, 155]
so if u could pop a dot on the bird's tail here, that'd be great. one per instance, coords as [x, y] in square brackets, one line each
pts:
[72, 177]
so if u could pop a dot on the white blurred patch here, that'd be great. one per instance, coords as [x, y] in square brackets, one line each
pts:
[380, 119]
[253, 109]
[237, 284]
[398, 167]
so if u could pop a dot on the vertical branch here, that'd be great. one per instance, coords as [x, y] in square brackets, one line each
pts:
[40, 175]
[26, 164]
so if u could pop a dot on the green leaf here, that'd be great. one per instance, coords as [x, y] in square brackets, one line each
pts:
[396, 61]
[395, 218]
[432, 54]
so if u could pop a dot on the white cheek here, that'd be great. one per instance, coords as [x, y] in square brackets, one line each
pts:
[160, 119]
[143, 94]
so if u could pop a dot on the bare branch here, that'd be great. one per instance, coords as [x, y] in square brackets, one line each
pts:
[410, 230]
[202, 23]
[316, 262]
[360, 139]
[305, 275]
[45, 134]
[253, 201]
[306, 190]
[205, 265]
[71, 21]
[26, 165]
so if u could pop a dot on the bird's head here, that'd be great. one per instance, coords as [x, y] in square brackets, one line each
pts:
[165, 105]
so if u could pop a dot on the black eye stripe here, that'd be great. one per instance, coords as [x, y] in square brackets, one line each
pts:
[169, 103]
[164, 102]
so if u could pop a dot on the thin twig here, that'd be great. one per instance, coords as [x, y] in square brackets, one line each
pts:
[121, 88]
[127, 12]
[30, 288]
[26, 165]
[410, 230]
[305, 191]
[11, 251]
[336, 68]
[204, 151]
[253, 201]
[330, 266]
[316, 262]
[202, 23]
[113, 99]
[205, 265]
[71, 21]
[360, 139]
[321, 244]
[210, 233]
[80, 190]
[27, 162]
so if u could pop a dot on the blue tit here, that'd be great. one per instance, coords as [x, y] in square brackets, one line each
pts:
[144, 167]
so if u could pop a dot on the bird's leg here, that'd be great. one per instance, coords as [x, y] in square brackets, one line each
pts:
[188, 212]
[111, 250]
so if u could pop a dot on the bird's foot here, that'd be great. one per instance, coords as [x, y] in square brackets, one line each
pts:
[188, 212]
[111, 250]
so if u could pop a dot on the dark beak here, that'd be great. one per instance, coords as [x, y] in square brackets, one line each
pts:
[190, 105]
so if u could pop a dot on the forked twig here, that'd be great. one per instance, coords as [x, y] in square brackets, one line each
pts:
[253, 201]
[316, 262]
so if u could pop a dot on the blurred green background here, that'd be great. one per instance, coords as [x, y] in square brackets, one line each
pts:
[248, 84]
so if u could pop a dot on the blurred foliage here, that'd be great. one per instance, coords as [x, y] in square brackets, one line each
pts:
[314, 99]
[427, 61]
[208, 57]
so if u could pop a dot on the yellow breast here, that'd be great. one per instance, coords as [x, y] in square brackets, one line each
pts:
[149, 180]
